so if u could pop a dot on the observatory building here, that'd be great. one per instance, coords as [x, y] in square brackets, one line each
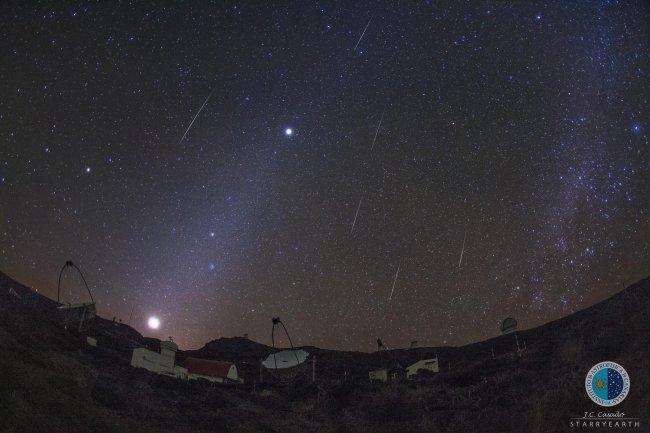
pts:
[387, 374]
[508, 325]
[161, 363]
[378, 375]
[214, 371]
[423, 364]
[193, 368]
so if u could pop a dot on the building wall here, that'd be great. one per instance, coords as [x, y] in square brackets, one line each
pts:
[152, 361]
[163, 363]
[232, 373]
[180, 372]
[157, 362]
[425, 364]
[200, 376]
[380, 375]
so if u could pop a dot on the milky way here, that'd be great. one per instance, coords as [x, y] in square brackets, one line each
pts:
[335, 187]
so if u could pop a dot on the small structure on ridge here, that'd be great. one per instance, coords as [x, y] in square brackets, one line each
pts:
[508, 325]
[423, 364]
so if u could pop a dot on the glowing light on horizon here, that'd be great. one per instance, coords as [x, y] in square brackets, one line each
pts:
[153, 322]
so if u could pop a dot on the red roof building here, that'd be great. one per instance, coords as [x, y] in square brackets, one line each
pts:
[216, 371]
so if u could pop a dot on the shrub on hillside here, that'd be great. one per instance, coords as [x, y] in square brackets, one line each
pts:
[109, 394]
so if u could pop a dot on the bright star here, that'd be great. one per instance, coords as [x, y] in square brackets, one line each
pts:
[153, 322]
[636, 128]
[288, 132]
[212, 266]
[87, 169]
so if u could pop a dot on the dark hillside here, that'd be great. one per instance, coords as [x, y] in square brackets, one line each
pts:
[50, 380]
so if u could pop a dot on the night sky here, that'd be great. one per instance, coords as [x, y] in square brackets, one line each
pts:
[466, 162]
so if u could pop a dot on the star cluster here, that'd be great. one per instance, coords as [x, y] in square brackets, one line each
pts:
[463, 162]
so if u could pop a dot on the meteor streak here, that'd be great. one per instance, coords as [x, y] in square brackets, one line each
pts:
[462, 250]
[356, 215]
[195, 116]
[364, 32]
[377, 130]
[394, 281]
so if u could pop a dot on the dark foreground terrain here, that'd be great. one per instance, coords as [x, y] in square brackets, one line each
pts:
[51, 381]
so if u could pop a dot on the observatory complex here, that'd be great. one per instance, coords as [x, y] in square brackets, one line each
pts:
[192, 368]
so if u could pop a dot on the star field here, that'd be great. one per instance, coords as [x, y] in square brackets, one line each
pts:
[218, 165]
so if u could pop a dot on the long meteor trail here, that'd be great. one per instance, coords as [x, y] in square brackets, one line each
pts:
[195, 116]
[356, 215]
[462, 251]
[364, 32]
[394, 281]
[377, 130]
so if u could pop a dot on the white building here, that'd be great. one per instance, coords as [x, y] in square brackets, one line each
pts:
[161, 363]
[193, 368]
[378, 375]
[423, 364]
